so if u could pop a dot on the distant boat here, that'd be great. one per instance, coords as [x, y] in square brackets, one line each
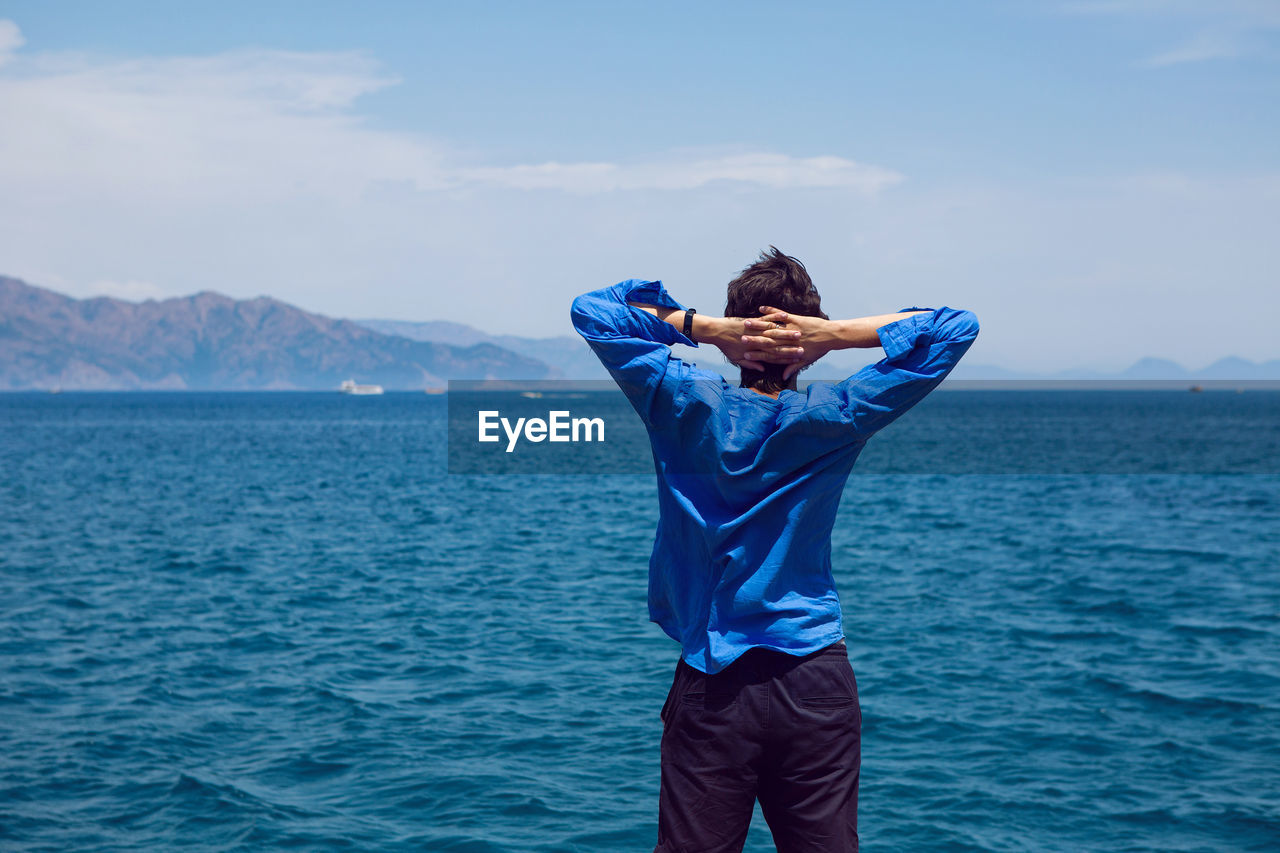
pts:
[434, 389]
[350, 387]
[1195, 389]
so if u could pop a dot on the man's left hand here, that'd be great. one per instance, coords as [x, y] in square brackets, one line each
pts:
[753, 342]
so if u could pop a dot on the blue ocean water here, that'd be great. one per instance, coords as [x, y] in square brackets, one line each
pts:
[272, 621]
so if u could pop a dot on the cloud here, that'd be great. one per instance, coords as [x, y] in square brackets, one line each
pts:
[775, 171]
[10, 40]
[243, 127]
[1219, 29]
[1247, 13]
[1204, 46]
[133, 291]
[261, 125]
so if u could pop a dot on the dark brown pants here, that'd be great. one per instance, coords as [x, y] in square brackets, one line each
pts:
[782, 729]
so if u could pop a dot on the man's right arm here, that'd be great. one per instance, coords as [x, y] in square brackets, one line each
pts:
[920, 350]
[921, 347]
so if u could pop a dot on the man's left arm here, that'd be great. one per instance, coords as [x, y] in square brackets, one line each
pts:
[634, 346]
[631, 326]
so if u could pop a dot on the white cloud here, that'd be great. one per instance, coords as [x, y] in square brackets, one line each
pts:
[1202, 47]
[1218, 29]
[10, 40]
[242, 127]
[1249, 13]
[255, 126]
[133, 291]
[775, 171]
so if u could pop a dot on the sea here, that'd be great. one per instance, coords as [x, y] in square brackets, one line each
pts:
[282, 621]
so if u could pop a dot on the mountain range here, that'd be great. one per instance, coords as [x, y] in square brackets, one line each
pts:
[211, 341]
[1144, 369]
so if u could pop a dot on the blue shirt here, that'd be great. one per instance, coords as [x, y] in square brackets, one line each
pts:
[748, 486]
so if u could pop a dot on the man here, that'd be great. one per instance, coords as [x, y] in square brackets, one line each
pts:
[764, 704]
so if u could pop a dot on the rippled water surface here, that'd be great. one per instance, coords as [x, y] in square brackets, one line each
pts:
[272, 621]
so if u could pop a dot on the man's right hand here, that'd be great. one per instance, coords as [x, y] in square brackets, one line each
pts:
[731, 335]
[817, 336]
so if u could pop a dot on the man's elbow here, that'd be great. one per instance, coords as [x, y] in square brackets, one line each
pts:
[591, 317]
[579, 314]
[962, 325]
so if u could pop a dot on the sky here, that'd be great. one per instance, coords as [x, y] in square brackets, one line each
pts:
[1098, 181]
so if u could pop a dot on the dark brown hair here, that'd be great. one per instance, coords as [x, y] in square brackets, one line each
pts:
[779, 281]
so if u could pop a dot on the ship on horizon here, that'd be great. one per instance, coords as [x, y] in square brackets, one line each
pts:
[350, 387]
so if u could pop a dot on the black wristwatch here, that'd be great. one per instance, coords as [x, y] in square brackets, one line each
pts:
[688, 322]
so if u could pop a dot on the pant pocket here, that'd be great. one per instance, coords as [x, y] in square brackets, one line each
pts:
[826, 703]
[825, 684]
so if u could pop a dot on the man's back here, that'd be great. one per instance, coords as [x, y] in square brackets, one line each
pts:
[749, 485]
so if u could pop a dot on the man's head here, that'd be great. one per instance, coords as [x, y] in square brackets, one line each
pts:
[779, 281]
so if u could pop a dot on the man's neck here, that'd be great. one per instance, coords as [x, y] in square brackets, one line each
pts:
[791, 386]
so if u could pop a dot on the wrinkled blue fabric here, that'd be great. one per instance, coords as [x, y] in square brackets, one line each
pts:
[748, 486]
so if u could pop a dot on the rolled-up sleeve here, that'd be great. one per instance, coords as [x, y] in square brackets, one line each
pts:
[633, 345]
[920, 351]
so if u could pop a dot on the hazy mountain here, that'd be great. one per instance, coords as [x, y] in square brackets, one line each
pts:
[568, 356]
[1232, 367]
[1144, 369]
[1154, 368]
[210, 341]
